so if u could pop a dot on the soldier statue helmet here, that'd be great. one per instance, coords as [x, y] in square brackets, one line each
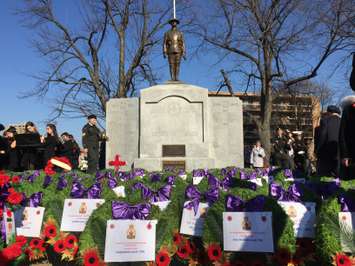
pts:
[174, 48]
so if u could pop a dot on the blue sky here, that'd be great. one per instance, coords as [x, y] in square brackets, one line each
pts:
[18, 61]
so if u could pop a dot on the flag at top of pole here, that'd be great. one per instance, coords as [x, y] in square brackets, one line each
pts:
[174, 8]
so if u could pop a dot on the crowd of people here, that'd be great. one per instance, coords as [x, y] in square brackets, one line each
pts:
[29, 150]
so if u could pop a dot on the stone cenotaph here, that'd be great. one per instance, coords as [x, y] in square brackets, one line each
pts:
[175, 124]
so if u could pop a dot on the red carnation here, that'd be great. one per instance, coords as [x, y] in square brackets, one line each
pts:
[214, 252]
[70, 240]
[183, 252]
[50, 231]
[342, 260]
[21, 240]
[162, 258]
[1, 213]
[15, 198]
[8, 213]
[10, 253]
[91, 258]
[59, 246]
[15, 179]
[4, 179]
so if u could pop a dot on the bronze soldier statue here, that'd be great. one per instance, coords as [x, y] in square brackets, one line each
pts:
[174, 48]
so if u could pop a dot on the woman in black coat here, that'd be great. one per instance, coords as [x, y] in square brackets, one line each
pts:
[29, 160]
[50, 143]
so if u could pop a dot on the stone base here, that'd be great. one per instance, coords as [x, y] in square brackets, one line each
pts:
[156, 164]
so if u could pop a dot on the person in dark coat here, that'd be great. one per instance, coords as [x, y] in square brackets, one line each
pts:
[12, 153]
[91, 142]
[280, 150]
[70, 149]
[327, 148]
[352, 76]
[347, 138]
[50, 143]
[29, 160]
[301, 157]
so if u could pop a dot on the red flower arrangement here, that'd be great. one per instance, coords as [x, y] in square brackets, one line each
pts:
[91, 258]
[14, 197]
[21, 240]
[4, 180]
[162, 258]
[11, 252]
[214, 252]
[37, 243]
[340, 259]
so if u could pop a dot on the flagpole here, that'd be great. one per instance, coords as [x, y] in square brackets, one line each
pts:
[174, 8]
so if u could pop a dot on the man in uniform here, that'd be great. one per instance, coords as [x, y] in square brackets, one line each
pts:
[174, 48]
[91, 143]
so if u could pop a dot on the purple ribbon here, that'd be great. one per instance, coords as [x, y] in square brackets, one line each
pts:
[346, 203]
[170, 180]
[94, 192]
[293, 193]
[31, 178]
[122, 210]
[213, 181]
[155, 177]
[77, 190]
[162, 194]
[62, 183]
[36, 199]
[199, 172]
[288, 173]
[47, 181]
[235, 204]
[194, 196]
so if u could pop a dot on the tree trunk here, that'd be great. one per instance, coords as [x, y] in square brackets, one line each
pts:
[121, 69]
[265, 115]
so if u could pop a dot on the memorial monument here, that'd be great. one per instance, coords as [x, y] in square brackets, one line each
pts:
[175, 124]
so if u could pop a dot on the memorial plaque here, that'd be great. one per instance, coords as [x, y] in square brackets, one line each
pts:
[174, 151]
[174, 165]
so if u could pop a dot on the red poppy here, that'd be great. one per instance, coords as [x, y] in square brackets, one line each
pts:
[50, 231]
[162, 258]
[70, 240]
[214, 252]
[282, 256]
[22, 240]
[183, 252]
[15, 179]
[342, 260]
[1, 213]
[4, 179]
[59, 246]
[177, 239]
[91, 258]
[36, 243]
[15, 198]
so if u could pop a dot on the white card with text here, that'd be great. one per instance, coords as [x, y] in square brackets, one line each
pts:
[303, 216]
[31, 222]
[76, 213]
[192, 224]
[248, 231]
[130, 240]
[197, 180]
[347, 224]
[120, 191]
